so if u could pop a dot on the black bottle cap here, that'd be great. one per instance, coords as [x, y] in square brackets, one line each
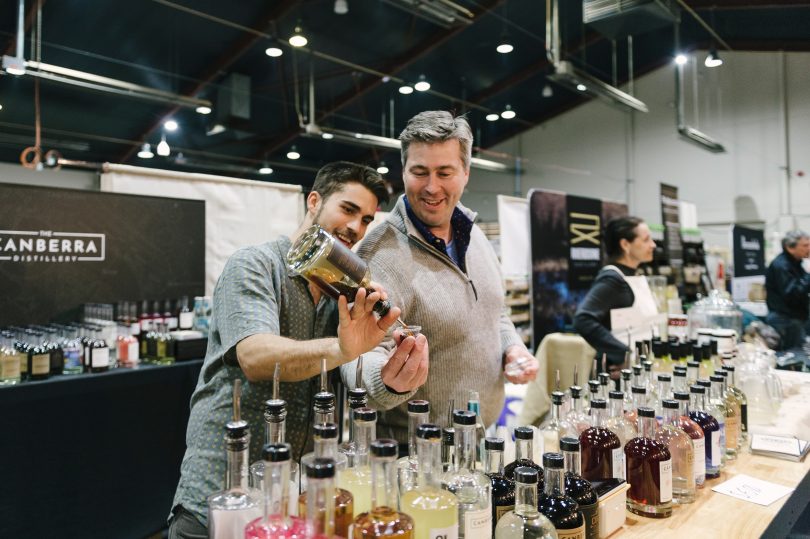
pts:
[637, 369]
[384, 447]
[324, 399]
[626, 374]
[686, 349]
[669, 403]
[448, 435]
[236, 429]
[728, 368]
[693, 364]
[357, 394]
[428, 431]
[525, 475]
[554, 461]
[663, 377]
[569, 443]
[639, 390]
[656, 348]
[576, 391]
[679, 370]
[697, 390]
[494, 444]
[713, 346]
[418, 407]
[707, 350]
[524, 433]
[599, 404]
[604, 378]
[675, 349]
[320, 468]
[716, 378]
[594, 385]
[557, 397]
[697, 353]
[721, 373]
[643, 411]
[647, 366]
[616, 395]
[276, 452]
[704, 383]
[365, 414]
[326, 430]
[680, 395]
[463, 417]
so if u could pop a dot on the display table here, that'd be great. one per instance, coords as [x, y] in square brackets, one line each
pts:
[93, 455]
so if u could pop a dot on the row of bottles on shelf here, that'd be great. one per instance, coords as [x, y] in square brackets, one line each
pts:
[97, 344]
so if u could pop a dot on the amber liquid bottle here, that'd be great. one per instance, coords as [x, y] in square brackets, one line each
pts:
[601, 448]
[562, 510]
[649, 470]
[503, 488]
[580, 488]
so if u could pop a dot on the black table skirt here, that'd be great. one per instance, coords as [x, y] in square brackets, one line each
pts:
[93, 455]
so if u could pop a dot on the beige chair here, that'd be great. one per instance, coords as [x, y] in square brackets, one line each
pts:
[561, 351]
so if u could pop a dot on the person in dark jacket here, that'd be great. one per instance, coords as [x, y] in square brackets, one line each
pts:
[627, 244]
[787, 286]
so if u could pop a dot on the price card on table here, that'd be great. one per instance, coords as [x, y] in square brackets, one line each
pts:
[753, 490]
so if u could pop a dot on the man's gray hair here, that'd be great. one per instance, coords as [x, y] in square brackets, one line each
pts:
[792, 238]
[434, 126]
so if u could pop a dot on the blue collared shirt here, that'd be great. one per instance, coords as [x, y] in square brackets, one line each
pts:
[461, 227]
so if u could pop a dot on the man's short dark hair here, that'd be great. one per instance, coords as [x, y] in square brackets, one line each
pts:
[333, 176]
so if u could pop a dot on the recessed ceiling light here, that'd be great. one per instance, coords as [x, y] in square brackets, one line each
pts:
[202, 109]
[406, 89]
[170, 125]
[492, 117]
[423, 85]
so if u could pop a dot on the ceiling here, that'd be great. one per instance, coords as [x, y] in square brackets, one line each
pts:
[356, 60]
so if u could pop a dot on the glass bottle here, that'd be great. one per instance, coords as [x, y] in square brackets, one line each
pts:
[639, 400]
[326, 449]
[185, 319]
[579, 488]
[626, 389]
[474, 405]
[662, 391]
[232, 509]
[741, 399]
[718, 410]
[324, 515]
[357, 478]
[733, 402]
[276, 523]
[706, 365]
[555, 427]
[434, 510]
[9, 360]
[562, 510]
[99, 360]
[620, 425]
[638, 375]
[407, 468]
[605, 386]
[39, 357]
[472, 488]
[649, 470]
[682, 451]
[383, 520]
[711, 430]
[57, 355]
[732, 411]
[356, 397]
[503, 488]
[678, 379]
[275, 431]
[524, 452]
[694, 432]
[449, 459]
[649, 381]
[324, 407]
[601, 448]
[576, 416]
[169, 317]
[662, 362]
[594, 390]
[525, 521]
[693, 368]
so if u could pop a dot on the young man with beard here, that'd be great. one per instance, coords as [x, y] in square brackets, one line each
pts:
[263, 315]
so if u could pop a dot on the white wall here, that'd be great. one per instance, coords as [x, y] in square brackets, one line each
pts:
[584, 151]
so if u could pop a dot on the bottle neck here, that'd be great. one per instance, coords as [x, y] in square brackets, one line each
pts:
[276, 428]
[493, 461]
[639, 399]
[671, 416]
[663, 389]
[576, 404]
[526, 499]
[236, 474]
[365, 432]
[276, 488]
[414, 420]
[572, 462]
[429, 454]
[325, 415]
[524, 449]
[555, 413]
[465, 446]
[598, 417]
[449, 454]
[626, 385]
[616, 407]
[683, 407]
[647, 427]
[320, 507]
[383, 482]
[554, 484]
[325, 448]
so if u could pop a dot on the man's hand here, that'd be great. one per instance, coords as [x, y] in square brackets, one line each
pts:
[359, 329]
[529, 364]
[407, 366]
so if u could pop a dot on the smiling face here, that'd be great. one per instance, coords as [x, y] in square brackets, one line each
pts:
[346, 213]
[435, 178]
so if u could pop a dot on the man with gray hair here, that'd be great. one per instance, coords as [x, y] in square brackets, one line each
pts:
[441, 270]
[787, 286]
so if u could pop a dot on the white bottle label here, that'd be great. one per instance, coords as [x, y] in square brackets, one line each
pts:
[618, 463]
[100, 357]
[10, 367]
[700, 459]
[186, 319]
[576, 533]
[478, 524]
[665, 476]
[135, 329]
[451, 532]
[171, 323]
[132, 352]
[716, 451]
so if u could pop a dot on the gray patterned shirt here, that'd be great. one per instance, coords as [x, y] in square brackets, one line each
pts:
[254, 294]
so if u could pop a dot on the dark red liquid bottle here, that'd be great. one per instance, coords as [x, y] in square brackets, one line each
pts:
[649, 470]
[600, 447]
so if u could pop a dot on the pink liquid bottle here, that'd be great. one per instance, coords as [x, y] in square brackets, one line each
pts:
[276, 523]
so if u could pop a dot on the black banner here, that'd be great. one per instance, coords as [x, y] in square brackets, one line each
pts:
[60, 248]
[749, 251]
[584, 240]
[671, 218]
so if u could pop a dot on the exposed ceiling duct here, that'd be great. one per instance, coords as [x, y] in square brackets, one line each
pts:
[620, 18]
[445, 13]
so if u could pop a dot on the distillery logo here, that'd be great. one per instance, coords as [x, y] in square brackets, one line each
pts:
[22, 246]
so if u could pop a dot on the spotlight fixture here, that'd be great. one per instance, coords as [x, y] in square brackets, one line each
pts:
[382, 169]
[163, 149]
[492, 117]
[265, 169]
[406, 89]
[146, 151]
[14, 65]
[505, 44]
[547, 91]
[423, 85]
[327, 136]
[203, 110]
[581, 87]
[170, 125]
[273, 51]
[341, 7]
[508, 113]
[293, 153]
[713, 59]
[298, 39]
[681, 59]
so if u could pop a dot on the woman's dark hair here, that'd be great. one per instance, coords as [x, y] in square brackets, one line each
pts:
[617, 229]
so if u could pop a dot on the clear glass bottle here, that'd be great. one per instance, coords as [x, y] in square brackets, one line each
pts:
[693, 368]
[639, 399]
[326, 512]
[356, 397]
[185, 319]
[72, 345]
[626, 389]
[733, 402]
[232, 509]
[407, 467]
[619, 424]
[594, 391]
[649, 382]
[324, 407]
[357, 478]
[503, 488]
[555, 427]
[276, 523]
[605, 385]
[562, 510]
[711, 430]
[434, 510]
[732, 414]
[383, 520]
[741, 399]
[662, 391]
[39, 357]
[601, 448]
[649, 470]
[678, 378]
[449, 459]
[682, 451]
[576, 416]
[165, 346]
[169, 316]
[275, 423]
[474, 405]
[524, 452]
[579, 488]
[9, 360]
[472, 488]
[694, 432]
[525, 521]
[717, 409]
